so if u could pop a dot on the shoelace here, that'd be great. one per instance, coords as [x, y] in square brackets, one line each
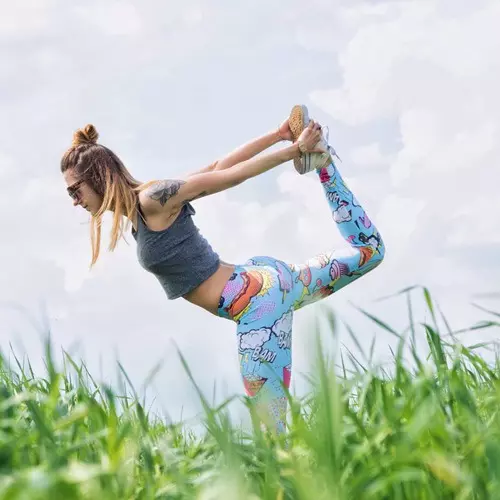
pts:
[331, 150]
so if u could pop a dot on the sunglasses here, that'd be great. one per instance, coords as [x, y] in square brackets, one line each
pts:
[74, 188]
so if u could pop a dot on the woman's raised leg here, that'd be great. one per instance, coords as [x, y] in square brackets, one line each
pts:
[329, 272]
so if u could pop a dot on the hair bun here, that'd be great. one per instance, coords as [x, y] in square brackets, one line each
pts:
[86, 135]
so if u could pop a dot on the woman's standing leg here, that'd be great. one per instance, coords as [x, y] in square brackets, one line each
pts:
[256, 299]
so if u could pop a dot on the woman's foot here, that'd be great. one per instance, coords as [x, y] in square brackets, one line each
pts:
[298, 121]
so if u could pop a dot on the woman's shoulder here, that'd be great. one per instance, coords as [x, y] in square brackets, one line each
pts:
[152, 199]
[158, 196]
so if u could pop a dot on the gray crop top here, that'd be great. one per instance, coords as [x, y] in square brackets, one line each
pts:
[179, 256]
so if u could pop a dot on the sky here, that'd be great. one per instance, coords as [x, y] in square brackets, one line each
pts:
[408, 89]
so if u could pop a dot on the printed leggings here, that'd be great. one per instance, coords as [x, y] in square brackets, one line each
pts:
[262, 295]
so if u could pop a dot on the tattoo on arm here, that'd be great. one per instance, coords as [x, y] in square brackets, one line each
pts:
[162, 191]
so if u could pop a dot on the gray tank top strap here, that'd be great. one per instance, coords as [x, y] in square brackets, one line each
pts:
[188, 208]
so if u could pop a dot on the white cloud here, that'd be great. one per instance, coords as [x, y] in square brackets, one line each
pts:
[6, 165]
[254, 338]
[369, 155]
[399, 217]
[431, 70]
[283, 324]
[193, 16]
[25, 19]
[113, 17]
[476, 221]
[283, 330]
[415, 56]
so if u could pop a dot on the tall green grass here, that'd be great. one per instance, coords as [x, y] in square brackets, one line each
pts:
[425, 426]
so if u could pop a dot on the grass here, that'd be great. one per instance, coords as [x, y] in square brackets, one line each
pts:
[422, 427]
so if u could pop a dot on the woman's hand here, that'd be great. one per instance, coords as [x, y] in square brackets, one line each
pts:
[284, 131]
[309, 138]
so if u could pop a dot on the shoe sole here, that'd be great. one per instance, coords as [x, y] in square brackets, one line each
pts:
[298, 121]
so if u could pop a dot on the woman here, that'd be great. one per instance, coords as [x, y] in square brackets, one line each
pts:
[261, 295]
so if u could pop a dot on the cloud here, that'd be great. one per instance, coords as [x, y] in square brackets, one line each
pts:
[369, 155]
[283, 330]
[112, 18]
[411, 55]
[430, 69]
[26, 19]
[283, 324]
[6, 166]
[254, 338]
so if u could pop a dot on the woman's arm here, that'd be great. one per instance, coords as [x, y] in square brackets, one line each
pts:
[173, 193]
[218, 180]
[203, 170]
[250, 149]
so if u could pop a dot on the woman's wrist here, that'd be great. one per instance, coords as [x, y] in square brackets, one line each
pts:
[277, 136]
[293, 151]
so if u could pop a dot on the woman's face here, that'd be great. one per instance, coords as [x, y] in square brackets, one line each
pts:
[82, 193]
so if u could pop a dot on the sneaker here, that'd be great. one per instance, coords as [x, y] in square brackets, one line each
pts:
[298, 121]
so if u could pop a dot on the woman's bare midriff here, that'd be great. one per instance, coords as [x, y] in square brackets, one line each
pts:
[207, 295]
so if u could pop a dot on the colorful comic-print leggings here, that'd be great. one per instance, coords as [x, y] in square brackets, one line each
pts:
[262, 295]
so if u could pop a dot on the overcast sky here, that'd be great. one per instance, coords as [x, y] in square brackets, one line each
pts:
[409, 90]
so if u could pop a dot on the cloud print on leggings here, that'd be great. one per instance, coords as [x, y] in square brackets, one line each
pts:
[254, 338]
[283, 330]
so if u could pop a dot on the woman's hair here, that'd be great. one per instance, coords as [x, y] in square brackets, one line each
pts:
[104, 172]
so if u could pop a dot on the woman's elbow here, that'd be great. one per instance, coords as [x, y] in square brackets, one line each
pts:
[237, 182]
[233, 179]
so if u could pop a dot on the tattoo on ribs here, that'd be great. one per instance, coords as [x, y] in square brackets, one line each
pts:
[162, 191]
